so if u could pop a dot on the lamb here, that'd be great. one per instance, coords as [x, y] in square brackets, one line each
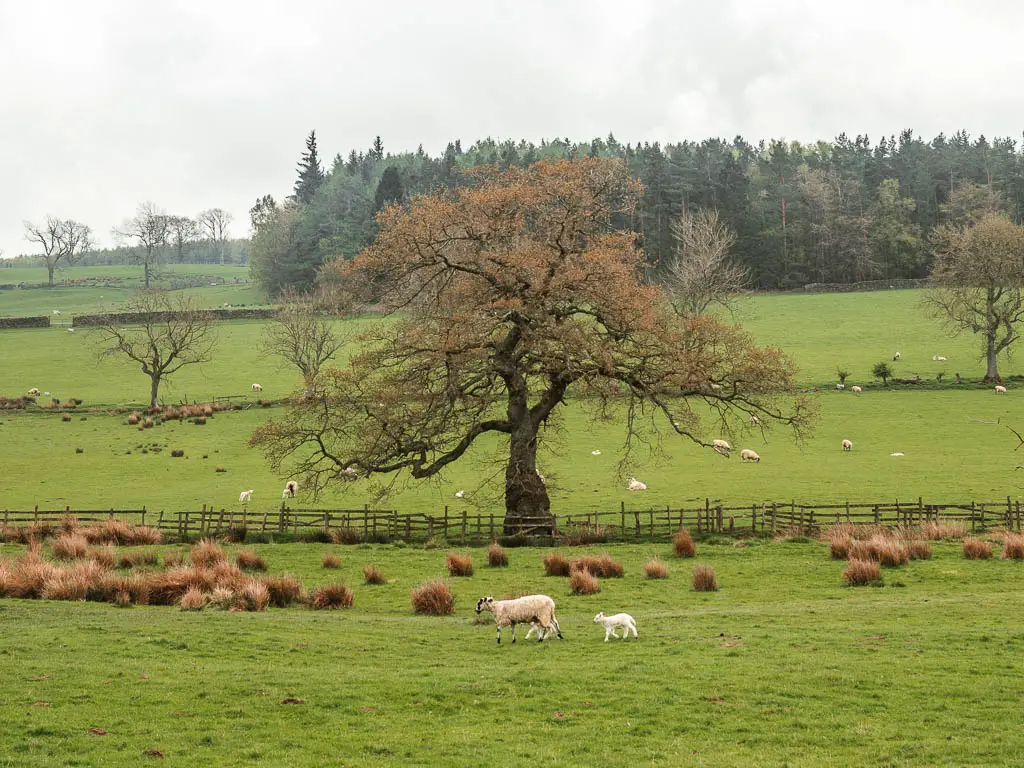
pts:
[257, 388]
[34, 392]
[1000, 389]
[847, 445]
[897, 356]
[840, 386]
[856, 390]
[460, 494]
[612, 623]
[523, 610]
[289, 489]
[632, 484]
[245, 496]
[721, 447]
[748, 455]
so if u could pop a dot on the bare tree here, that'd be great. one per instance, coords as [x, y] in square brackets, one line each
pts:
[182, 233]
[303, 335]
[148, 234]
[164, 336]
[979, 279]
[62, 241]
[701, 273]
[214, 223]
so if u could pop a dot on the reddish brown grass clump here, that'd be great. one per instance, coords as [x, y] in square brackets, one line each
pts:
[556, 564]
[976, 549]
[70, 546]
[582, 582]
[193, 600]
[372, 575]
[496, 557]
[206, 553]
[599, 565]
[861, 573]
[944, 529]
[103, 555]
[1013, 546]
[704, 579]
[433, 598]
[331, 560]
[250, 561]
[919, 550]
[331, 597]
[889, 553]
[253, 596]
[138, 559]
[682, 544]
[839, 547]
[283, 590]
[173, 558]
[459, 565]
[655, 569]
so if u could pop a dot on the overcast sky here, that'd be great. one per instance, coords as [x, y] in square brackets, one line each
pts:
[194, 105]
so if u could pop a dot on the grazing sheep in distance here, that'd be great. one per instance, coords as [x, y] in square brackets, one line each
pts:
[289, 489]
[34, 392]
[755, 420]
[522, 610]
[847, 445]
[245, 496]
[56, 313]
[595, 453]
[632, 484]
[350, 473]
[257, 388]
[938, 358]
[71, 330]
[840, 386]
[898, 453]
[459, 494]
[897, 356]
[748, 455]
[1000, 389]
[612, 623]
[721, 447]
[856, 390]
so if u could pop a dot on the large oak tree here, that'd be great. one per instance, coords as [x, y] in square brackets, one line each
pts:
[513, 294]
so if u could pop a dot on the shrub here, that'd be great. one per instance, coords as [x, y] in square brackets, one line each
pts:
[682, 544]
[459, 565]
[331, 560]
[919, 550]
[331, 597]
[253, 596]
[583, 582]
[372, 575]
[71, 546]
[1013, 546]
[66, 417]
[861, 573]
[236, 534]
[655, 569]
[976, 549]
[433, 598]
[206, 553]
[250, 561]
[704, 579]
[193, 600]
[555, 564]
[496, 557]
[598, 565]
[177, 453]
[283, 590]
[839, 547]
[103, 555]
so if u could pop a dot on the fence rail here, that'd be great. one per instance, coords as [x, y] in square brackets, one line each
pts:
[700, 515]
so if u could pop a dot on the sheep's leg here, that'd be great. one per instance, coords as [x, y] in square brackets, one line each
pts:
[558, 630]
[607, 631]
[513, 632]
[499, 634]
[633, 627]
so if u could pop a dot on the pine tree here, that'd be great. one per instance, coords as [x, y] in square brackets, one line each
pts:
[377, 150]
[390, 189]
[311, 175]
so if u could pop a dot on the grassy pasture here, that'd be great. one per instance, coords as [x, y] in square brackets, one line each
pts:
[782, 666]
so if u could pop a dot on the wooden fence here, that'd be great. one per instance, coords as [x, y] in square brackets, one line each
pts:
[699, 515]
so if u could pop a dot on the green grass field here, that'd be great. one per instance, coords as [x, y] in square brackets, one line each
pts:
[782, 666]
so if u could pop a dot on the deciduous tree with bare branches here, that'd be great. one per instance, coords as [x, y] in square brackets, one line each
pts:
[62, 241]
[162, 337]
[701, 273]
[516, 292]
[148, 234]
[214, 223]
[303, 334]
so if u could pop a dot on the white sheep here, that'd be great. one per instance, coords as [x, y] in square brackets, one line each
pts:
[460, 494]
[257, 388]
[245, 496]
[350, 473]
[1000, 389]
[612, 623]
[632, 484]
[938, 358]
[289, 489]
[522, 610]
[847, 445]
[721, 447]
[595, 453]
[856, 390]
[897, 454]
[34, 392]
[71, 330]
[840, 386]
[748, 455]
[755, 420]
[897, 356]
[56, 313]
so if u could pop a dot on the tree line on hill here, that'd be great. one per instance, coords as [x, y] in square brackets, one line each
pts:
[842, 211]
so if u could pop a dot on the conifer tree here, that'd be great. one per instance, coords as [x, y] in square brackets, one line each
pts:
[311, 175]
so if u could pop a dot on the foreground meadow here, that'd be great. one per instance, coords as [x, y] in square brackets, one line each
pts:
[782, 666]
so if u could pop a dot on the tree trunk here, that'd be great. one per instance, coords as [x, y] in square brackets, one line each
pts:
[49, 268]
[145, 269]
[527, 506]
[991, 329]
[154, 386]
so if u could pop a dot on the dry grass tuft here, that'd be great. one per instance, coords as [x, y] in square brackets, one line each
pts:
[173, 558]
[934, 530]
[206, 553]
[433, 598]
[70, 546]
[976, 549]
[1013, 546]
[599, 565]
[283, 590]
[248, 560]
[919, 550]
[887, 552]
[556, 564]
[496, 557]
[655, 569]
[704, 579]
[103, 555]
[142, 558]
[839, 547]
[331, 560]
[252, 597]
[682, 544]
[346, 535]
[862, 573]
[459, 565]
[331, 597]
[372, 575]
[582, 582]
[193, 600]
